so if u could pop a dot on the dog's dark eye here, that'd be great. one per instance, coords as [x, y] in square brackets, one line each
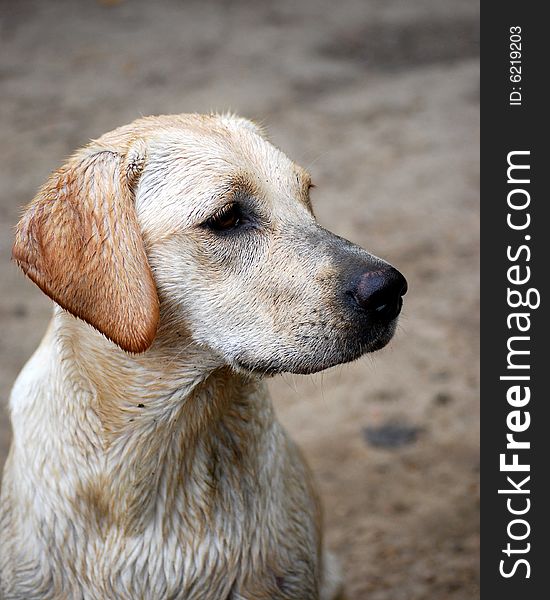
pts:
[229, 217]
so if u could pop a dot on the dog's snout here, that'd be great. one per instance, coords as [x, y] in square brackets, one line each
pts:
[379, 293]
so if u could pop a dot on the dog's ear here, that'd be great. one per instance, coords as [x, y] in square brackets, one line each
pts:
[79, 241]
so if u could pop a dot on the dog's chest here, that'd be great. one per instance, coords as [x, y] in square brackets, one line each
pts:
[255, 550]
[230, 518]
[236, 556]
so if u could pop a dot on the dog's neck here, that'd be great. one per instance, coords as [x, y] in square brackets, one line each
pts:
[151, 426]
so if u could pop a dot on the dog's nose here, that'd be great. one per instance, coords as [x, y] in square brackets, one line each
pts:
[379, 293]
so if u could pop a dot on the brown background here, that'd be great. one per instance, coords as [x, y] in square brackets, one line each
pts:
[379, 100]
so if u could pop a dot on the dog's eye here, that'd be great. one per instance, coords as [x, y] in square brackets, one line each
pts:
[229, 217]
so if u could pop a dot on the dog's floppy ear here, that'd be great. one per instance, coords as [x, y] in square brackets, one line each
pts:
[79, 241]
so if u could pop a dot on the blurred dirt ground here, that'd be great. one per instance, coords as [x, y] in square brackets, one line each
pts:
[379, 100]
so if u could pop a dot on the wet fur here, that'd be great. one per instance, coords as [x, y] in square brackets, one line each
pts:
[146, 460]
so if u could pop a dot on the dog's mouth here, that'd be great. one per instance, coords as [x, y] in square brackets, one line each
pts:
[317, 356]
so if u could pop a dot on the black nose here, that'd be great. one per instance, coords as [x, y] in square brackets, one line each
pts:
[379, 293]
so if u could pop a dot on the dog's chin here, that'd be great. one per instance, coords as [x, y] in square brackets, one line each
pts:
[305, 363]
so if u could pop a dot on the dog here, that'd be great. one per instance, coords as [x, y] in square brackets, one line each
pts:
[186, 265]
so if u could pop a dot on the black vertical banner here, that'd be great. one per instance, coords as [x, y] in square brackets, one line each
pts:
[515, 258]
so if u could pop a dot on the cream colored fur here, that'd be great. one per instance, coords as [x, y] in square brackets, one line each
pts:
[147, 462]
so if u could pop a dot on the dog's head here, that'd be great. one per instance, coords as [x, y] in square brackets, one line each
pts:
[204, 218]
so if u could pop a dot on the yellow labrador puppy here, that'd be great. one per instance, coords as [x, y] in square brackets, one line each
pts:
[147, 463]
